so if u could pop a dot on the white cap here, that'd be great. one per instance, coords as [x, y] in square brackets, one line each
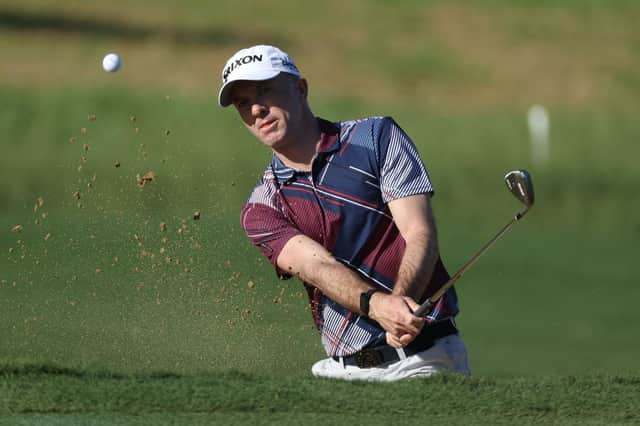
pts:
[255, 63]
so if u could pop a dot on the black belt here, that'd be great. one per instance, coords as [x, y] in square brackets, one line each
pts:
[373, 357]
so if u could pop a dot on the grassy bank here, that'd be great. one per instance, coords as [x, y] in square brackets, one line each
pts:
[116, 296]
[96, 143]
[94, 278]
[79, 397]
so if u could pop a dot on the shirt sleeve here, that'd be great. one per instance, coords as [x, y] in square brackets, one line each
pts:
[402, 172]
[267, 227]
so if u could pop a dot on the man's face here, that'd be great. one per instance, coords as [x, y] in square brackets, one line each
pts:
[270, 109]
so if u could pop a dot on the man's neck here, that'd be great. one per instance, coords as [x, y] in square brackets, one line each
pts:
[299, 154]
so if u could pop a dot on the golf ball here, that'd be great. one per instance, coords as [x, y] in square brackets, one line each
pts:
[111, 62]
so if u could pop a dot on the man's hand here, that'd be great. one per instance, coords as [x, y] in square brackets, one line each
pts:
[395, 314]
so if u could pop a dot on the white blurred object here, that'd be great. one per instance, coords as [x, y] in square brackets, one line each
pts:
[111, 62]
[538, 120]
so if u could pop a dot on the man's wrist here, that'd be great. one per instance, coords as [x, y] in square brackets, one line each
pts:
[365, 301]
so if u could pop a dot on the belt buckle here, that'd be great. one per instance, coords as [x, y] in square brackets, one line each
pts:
[368, 358]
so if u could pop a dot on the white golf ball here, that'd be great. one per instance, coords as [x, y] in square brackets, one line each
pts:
[111, 62]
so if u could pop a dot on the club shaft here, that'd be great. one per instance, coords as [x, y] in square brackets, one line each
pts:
[428, 304]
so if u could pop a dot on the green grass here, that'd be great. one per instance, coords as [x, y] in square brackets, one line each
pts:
[81, 397]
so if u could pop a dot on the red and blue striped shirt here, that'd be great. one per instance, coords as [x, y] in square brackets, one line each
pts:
[360, 166]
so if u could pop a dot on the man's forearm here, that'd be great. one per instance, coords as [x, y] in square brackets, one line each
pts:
[338, 282]
[417, 265]
[313, 264]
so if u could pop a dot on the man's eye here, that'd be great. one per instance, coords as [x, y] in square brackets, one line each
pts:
[242, 103]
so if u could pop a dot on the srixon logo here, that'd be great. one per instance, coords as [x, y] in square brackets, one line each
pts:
[239, 62]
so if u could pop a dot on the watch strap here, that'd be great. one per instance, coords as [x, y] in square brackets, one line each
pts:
[365, 298]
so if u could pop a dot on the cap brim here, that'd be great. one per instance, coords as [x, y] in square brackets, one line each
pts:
[224, 96]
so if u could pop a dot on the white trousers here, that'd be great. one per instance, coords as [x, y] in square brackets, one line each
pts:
[448, 354]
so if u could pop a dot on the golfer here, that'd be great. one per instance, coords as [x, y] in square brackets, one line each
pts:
[346, 208]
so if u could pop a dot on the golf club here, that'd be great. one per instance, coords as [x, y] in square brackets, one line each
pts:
[520, 185]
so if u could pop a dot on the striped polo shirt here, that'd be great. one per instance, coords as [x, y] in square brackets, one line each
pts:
[360, 166]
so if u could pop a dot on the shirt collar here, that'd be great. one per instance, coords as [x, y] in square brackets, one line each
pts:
[329, 142]
[329, 136]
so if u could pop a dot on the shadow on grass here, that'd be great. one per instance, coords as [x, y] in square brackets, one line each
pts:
[47, 369]
[23, 21]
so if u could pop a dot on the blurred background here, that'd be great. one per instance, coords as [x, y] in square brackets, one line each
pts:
[120, 193]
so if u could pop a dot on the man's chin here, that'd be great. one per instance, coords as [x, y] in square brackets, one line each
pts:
[272, 141]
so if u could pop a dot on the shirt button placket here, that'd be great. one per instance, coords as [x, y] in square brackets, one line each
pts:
[319, 201]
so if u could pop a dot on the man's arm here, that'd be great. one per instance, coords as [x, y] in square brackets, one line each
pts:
[311, 262]
[414, 218]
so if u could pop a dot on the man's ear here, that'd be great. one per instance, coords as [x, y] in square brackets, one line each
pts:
[302, 87]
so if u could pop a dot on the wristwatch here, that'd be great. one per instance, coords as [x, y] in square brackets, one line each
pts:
[364, 301]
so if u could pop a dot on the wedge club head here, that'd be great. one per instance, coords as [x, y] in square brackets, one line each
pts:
[520, 184]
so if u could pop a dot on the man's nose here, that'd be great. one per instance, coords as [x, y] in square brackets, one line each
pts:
[258, 109]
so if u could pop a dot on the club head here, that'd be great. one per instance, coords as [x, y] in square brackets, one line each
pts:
[520, 185]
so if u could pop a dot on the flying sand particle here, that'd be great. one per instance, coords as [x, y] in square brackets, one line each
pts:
[17, 228]
[149, 177]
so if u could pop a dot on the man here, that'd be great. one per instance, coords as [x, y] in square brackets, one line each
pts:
[346, 208]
